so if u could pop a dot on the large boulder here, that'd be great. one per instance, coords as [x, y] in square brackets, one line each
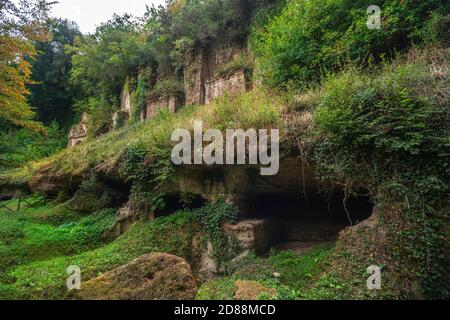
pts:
[156, 276]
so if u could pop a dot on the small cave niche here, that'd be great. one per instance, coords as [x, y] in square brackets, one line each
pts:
[295, 221]
[176, 202]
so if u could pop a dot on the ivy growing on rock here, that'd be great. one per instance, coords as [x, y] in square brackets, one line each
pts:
[212, 217]
[389, 132]
[147, 169]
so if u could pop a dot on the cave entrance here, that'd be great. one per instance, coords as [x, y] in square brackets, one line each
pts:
[176, 202]
[297, 222]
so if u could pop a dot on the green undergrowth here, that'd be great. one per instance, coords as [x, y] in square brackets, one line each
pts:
[44, 232]
[388, 130]
[297, 274]
[47, 279]
[211, 217]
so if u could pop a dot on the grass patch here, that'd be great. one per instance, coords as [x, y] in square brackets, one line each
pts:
[45, 232]
[46, 279]
[297, 274]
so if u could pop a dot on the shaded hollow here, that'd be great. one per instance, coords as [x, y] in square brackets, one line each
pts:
[175, 202]
[293, 221]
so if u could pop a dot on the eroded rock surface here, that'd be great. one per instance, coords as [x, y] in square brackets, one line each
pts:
[156, 276]
[232, 84]
[127, 215]
[255, 235]
[79, 132]
[203, 81]
[154, 105]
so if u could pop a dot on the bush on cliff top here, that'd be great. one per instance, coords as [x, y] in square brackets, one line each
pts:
[309, 39]
[389, 132]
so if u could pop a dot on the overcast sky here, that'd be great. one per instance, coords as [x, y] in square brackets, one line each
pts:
[90, 13]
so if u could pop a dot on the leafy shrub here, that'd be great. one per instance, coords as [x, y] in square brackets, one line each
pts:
[390, 133]
[148, 166]
[100, 112]
[203, 21]
[168, 88]
[22, 146]
[309, 39]
[436, 30]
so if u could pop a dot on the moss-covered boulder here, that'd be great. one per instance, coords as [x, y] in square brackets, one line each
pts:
[156, 276]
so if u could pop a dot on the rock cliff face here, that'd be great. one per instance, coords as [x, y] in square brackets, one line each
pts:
[232, 84]
[203, 77]
[79, 132]
[154, 105]
[125, 100]
[195, 71]
[207, 76]
[121, 117]
[237, 182]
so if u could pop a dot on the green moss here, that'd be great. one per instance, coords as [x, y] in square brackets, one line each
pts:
[46, 232]
[298, 274]
[46, 279]
[220, 289]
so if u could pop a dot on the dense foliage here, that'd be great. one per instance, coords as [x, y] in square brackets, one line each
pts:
[376, 121]
[118, 49]
[148, 53]
[382, 132]
[52, 92]
[310, 39]
[20, 24]
[19, 147]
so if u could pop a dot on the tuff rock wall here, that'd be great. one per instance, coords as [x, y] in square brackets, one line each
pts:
[205, 75]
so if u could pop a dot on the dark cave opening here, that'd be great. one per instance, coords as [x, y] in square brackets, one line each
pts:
[310, 207]
[176, 202]
[294, 221]
[286, 221]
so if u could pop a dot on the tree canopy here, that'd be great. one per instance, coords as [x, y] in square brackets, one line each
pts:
[20, 24]
[52, 92]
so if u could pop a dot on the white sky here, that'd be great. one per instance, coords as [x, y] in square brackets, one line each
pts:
[90, 13]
